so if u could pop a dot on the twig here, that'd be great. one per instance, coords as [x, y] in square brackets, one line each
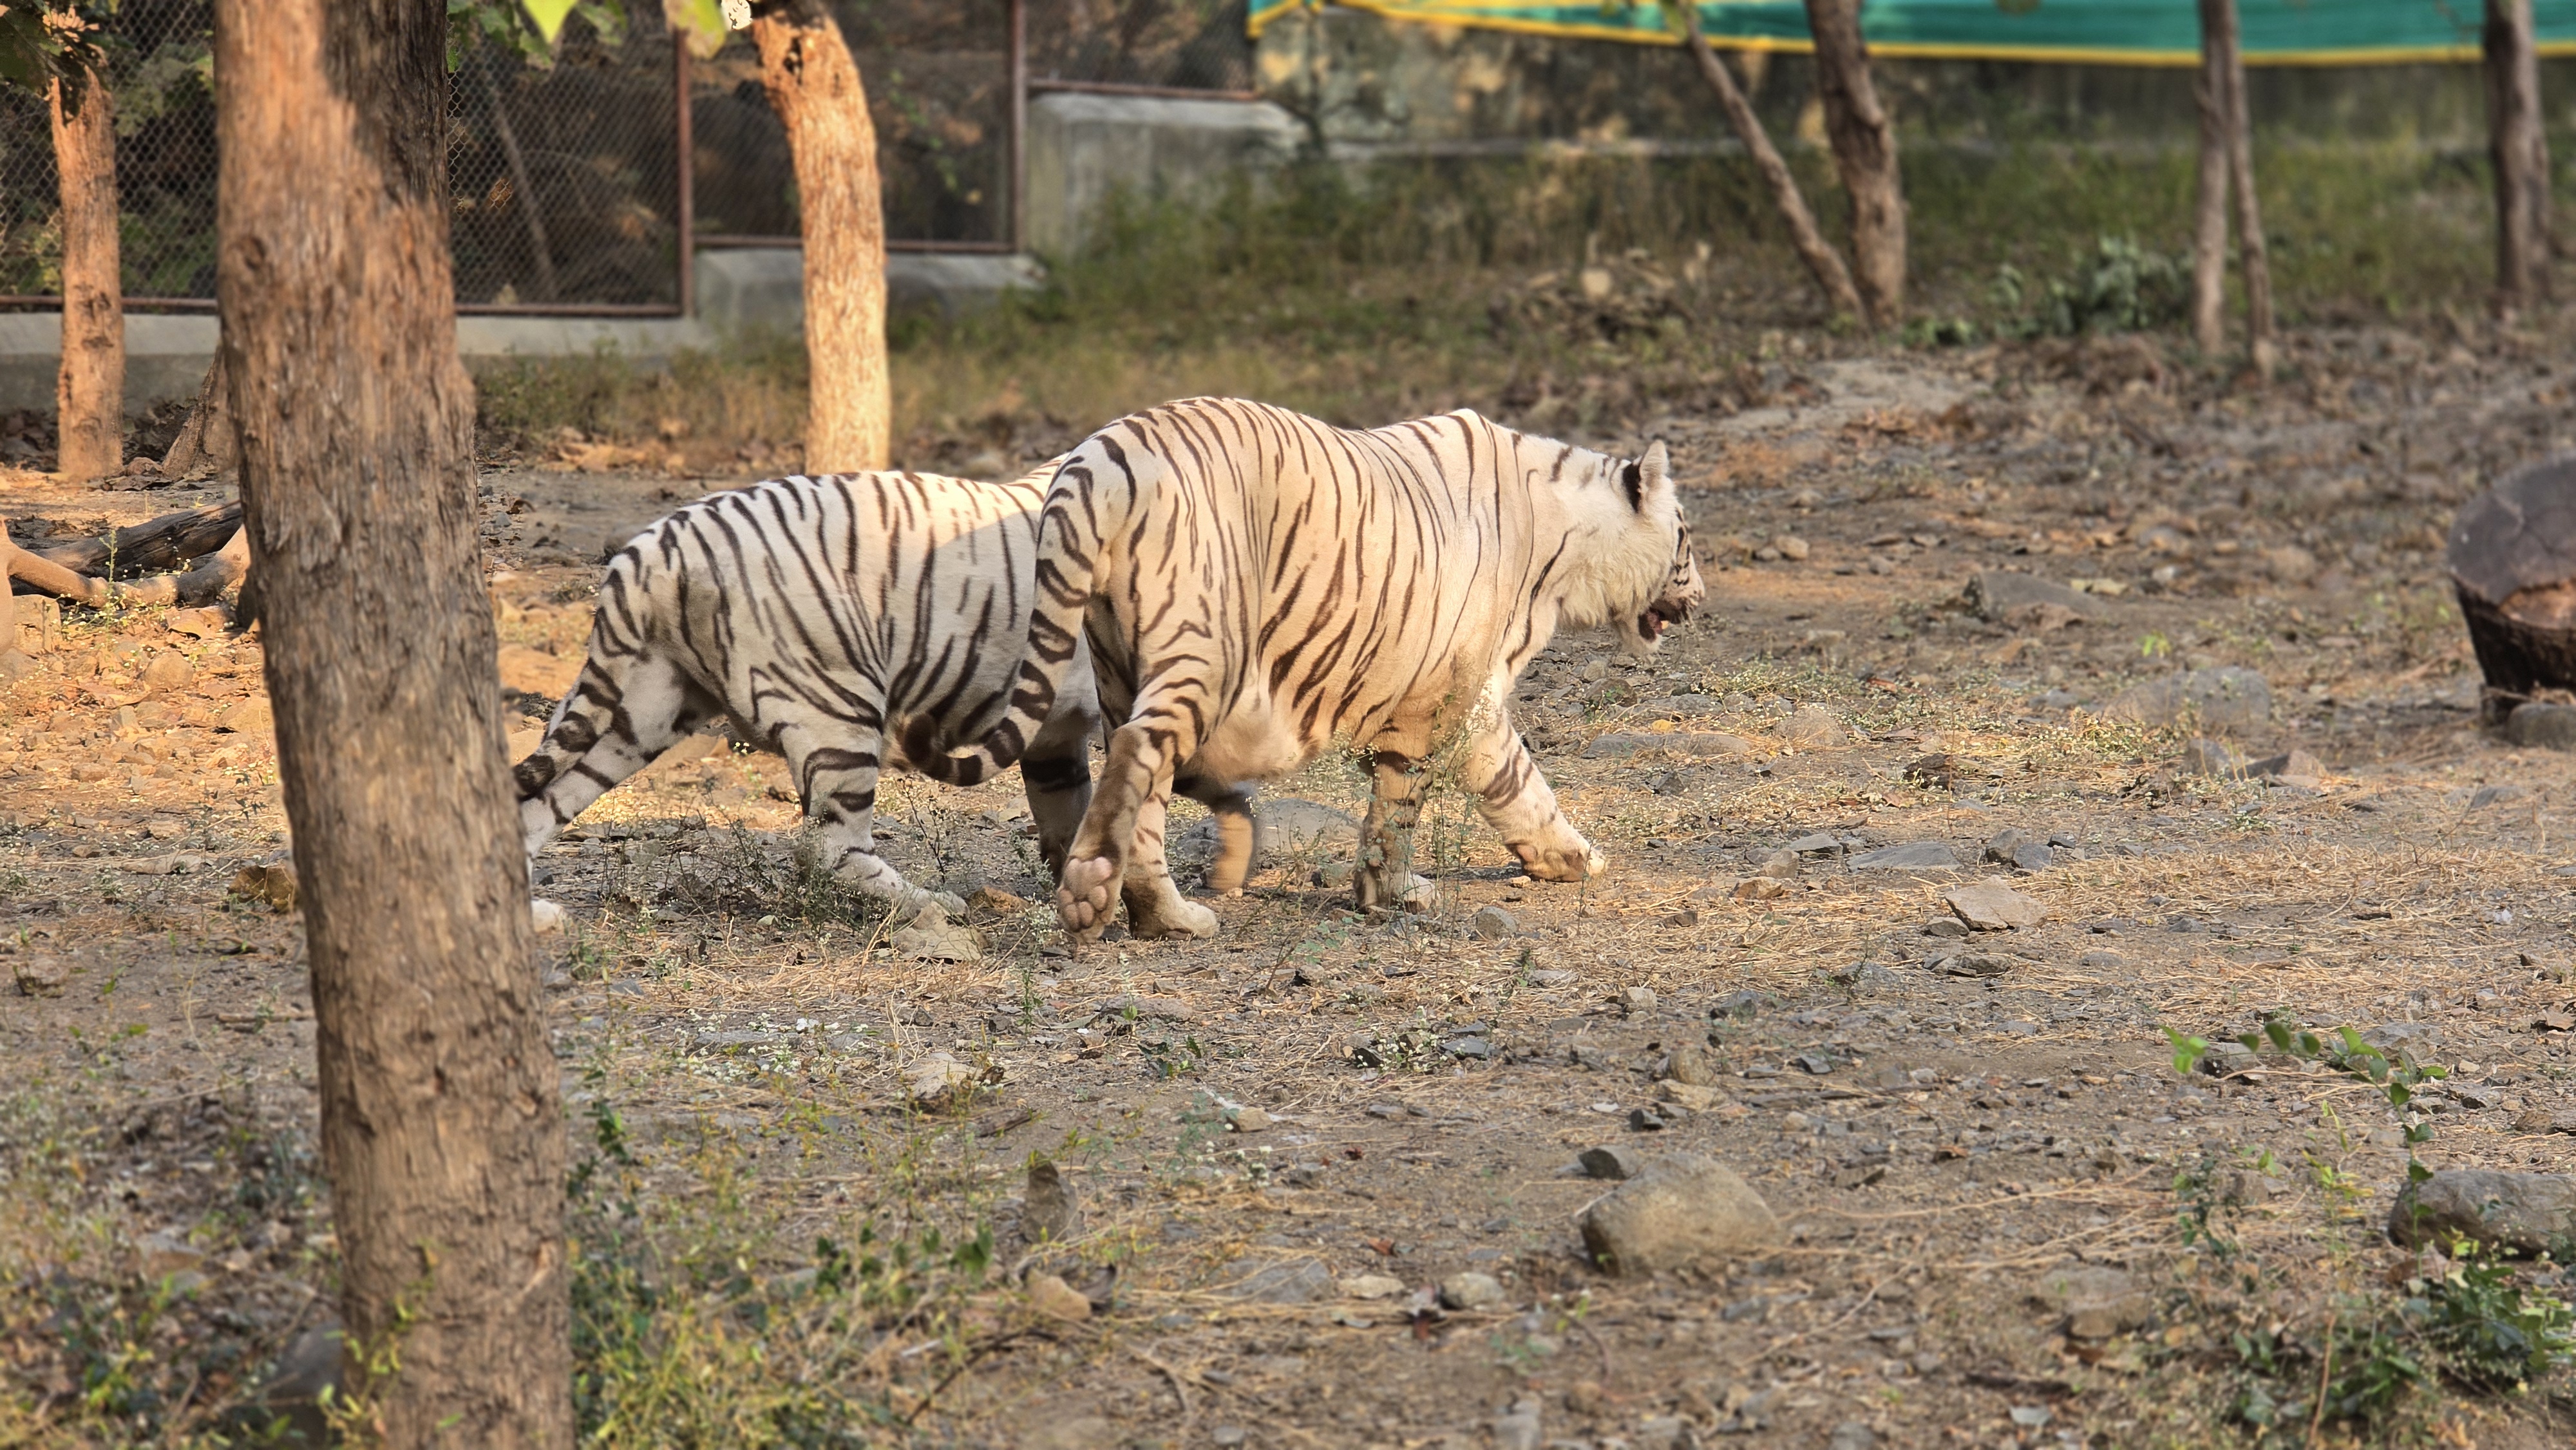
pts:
[1179, 1390]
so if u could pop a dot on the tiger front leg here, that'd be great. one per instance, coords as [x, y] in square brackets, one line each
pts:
[1086, 890]
[1155, 906]
[1056, 774]
[1230, 810]
[1514, 798]
[1385, 878]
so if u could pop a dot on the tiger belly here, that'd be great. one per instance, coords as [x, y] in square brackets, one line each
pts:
[1253, 742]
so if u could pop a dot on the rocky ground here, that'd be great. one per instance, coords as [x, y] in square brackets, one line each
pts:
[1915, 863]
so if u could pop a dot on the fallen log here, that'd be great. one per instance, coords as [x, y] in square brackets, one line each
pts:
[151, 546]
[48, 577]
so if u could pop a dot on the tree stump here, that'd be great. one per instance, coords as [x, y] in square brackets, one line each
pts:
[2513, 561]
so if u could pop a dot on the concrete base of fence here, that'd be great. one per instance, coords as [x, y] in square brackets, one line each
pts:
[1084, 149]
[740, 289]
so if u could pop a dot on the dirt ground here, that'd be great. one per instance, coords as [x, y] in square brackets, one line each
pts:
[1940, 1123]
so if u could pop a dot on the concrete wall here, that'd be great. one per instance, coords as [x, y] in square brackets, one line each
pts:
[166, 354]
[1085, 149]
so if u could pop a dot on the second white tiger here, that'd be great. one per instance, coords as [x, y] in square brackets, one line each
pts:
[825, 616]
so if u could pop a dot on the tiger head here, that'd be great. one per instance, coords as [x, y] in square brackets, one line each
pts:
[1664, 587]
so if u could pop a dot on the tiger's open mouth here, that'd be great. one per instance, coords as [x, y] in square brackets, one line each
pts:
[1658, 618]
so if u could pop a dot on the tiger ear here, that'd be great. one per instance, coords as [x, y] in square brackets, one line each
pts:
[1648, 476]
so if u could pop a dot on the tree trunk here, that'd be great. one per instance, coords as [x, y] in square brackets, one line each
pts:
[441, 1128]
[2520, 153]
[815, 89]
[2209, 206]
[1864, 143]
[1822, 260]
[89, 392]
[2225, 64]
[205, 441]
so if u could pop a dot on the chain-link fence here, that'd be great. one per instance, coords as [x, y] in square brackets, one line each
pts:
[1188, 45]
[567, 179]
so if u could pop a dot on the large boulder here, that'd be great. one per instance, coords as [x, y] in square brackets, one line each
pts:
[1680, 1210]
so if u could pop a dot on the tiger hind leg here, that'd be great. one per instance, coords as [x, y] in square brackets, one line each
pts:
[1056, 773]
[622, 713]
[1230, 807]
[1155, 905]
[836, 764]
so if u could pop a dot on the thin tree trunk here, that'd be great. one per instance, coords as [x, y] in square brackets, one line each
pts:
[89, 392]
[2520, 152]
[2209, 206]
[1823, 262]
[1864, 144]
[441, 1127]
[814, 87]
[523, 185]
[205, 441]
[2226, 64]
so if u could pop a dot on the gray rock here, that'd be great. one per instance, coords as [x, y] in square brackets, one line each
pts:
[2210, 758]
[1475, 1047]
[2529, 1213]
[2102, 961]
[1945, 926]
[1993, 906]
[1472, 1290]
[1863, 979]
[1997, 595]
[1852, 1435]
[2542, 725]
[1780, 866]
[1972, 964]
[1681, 1209]
[1617, 1165]
[1812, 727]
[1492, 923]
[2223, 699]
[1815, 1064]
[1912, 856]
[2098, 1301]
[2000, 847]
[1694, 1065]
[1621, 744]
[2033, 856]
[2295, 767]
[1518, 1430]
[1821, 843]
[1297, 1281]
[1284, 827]
[1638, 1001]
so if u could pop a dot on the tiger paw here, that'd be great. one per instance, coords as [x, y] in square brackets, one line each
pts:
[544, 916]
[1083, 897]
[1178, 916]
[1556, 864]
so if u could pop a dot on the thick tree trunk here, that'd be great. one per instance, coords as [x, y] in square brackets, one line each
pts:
[2209, 205]
[1823, 262]
[2520, 153]
[89, 392]
[1864, 142]
[815, 89]
[205, 441]
[2224, 64]
[441, 1128]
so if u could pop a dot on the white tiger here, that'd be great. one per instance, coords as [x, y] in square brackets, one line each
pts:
[821, 615]
[1256, 584]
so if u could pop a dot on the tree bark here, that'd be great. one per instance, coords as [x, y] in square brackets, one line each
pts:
[814, 87]
[2209, 205]
[1864, 145]
[205, 441]
[2520, 153]
[441, 1129]
[154, 544]
[89, 391]
[2224, 63]
[1823, 262]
